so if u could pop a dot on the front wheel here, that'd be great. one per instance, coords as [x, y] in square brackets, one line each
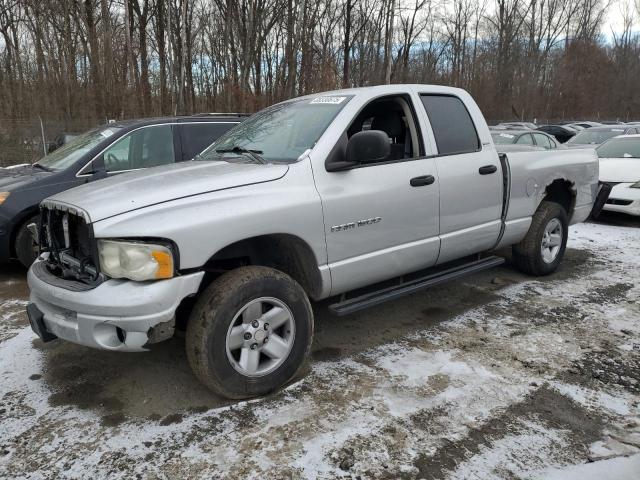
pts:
[542, 250]
[250, 332]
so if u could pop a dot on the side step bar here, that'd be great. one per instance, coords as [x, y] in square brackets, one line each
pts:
[391, 293]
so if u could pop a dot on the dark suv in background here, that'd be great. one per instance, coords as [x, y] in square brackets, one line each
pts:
[108, 150]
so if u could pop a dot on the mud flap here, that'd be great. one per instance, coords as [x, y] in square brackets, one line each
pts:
[601, 199]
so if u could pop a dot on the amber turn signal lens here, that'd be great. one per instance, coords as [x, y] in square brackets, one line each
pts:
[165, 264]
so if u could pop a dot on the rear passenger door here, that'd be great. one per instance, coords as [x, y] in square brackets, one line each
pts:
[195, 137]
[470, 179]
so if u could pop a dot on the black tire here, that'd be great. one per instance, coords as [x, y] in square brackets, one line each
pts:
[528, 255]
[213, 314]
[25, 246]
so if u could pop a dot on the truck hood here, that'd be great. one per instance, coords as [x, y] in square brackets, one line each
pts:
[620, 169]
[131, 191]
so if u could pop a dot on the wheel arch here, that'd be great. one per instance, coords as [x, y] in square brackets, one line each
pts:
[285, 252]
[563, 192]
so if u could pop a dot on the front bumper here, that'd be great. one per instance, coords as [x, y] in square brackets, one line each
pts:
[116, 315]
[624, 199]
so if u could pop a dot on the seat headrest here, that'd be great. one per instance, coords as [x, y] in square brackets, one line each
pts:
[390, 122]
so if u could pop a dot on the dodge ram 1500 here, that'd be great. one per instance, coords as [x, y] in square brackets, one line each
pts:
[316, 197]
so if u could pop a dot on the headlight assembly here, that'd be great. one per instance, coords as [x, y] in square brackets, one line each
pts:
[4, 196]
[135, 260]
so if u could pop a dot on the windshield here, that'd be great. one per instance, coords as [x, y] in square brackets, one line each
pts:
[69, 153]
[280, 133]
[502, 138]
[591, 137]
[620, 148]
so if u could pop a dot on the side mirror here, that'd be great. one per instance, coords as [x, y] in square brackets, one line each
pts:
[364, 147]
[94, 170]
[98, 174]
[369, 146]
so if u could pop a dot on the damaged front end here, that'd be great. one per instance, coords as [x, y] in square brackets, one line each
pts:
[72, 299]
[66, 243]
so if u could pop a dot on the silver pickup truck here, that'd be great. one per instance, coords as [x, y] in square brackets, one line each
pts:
[327, 195]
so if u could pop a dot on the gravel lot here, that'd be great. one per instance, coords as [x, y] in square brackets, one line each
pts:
[498, 376]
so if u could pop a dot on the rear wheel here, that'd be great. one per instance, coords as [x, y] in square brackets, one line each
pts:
[542, 250]
[26, 247]
[249, 332]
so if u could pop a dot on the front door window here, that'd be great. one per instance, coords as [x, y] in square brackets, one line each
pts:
[142, 148]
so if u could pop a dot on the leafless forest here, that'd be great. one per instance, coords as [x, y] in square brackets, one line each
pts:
[77, 63]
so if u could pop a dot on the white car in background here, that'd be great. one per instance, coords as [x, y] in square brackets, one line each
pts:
[620, 166]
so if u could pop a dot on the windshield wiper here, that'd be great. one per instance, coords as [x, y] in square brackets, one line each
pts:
[41, 167]
[255, 154]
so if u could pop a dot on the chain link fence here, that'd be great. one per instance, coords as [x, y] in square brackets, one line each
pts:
[25, 140]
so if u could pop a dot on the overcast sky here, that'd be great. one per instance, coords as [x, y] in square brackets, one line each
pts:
[614, 21]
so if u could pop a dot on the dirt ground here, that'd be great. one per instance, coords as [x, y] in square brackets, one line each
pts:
[498, 376]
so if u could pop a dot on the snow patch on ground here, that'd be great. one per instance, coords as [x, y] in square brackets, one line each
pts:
[621, 468]
[620, 404]
[511, 456]
[414, 367]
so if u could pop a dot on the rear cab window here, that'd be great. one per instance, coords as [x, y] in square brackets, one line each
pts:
[451, 123]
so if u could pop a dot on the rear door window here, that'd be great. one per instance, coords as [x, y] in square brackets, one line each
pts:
[195, 137]
[451, 123]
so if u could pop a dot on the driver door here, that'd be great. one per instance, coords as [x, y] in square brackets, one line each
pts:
[378, 225]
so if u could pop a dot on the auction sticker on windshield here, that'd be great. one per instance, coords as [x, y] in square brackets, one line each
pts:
[328, 100]
[506, 135]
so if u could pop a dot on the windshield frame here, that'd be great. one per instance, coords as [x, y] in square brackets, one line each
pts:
[211, 154]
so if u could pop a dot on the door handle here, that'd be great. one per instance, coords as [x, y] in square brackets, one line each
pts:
[422, 181]
[487, 170]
